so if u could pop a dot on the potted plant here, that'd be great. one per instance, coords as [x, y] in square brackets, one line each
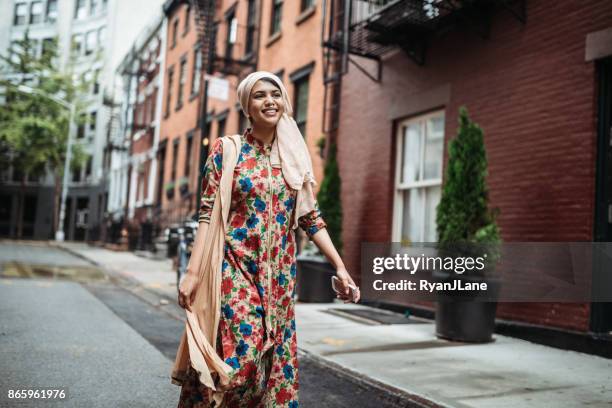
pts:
[314, 271]
[466, 226]
[169, 188]
[184, 186]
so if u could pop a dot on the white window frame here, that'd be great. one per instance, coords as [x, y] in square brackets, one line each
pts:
[37, 12]
[91, 42]
[80, 9]
[400, 187]
[23, 17]
[51, 11]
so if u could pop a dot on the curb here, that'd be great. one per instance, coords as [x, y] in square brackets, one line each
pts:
[132, 285]
[400, 397]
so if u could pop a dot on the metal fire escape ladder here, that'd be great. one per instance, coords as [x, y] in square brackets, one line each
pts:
[204, 20]
[336, 48]
[335, 59]
[204, 17]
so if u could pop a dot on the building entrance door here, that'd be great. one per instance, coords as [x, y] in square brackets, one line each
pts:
[601, 312]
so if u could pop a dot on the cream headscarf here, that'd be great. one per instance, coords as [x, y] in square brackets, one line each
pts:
[289, 150]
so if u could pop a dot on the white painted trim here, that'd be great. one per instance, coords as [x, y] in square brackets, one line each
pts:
[399, 187]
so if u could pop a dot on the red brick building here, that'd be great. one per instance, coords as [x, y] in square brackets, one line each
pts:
[249, 35]
[538, 89]
[178, 150]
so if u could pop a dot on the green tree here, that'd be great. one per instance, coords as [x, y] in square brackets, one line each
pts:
[329, 198]
[463, 216]
[33, 127]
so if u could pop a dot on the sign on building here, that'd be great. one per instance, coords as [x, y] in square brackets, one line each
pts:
[218, 88]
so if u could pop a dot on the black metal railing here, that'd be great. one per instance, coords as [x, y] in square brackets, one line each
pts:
[374, 27]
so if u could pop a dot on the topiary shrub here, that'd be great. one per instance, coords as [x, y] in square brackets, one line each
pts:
[329, 198]
[463, 216]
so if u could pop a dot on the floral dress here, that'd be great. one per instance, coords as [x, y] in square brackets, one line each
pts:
[256, 335]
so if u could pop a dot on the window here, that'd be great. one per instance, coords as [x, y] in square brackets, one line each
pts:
[251, 27]
[187, 19]
[418, 178]
[48, 45]
[93, 7]
[96, 84]
[101, 36]
[161, 157]
[81, 127]
[230, 40]
[139, 112]
[92, 121]
[301, 103]
[175, 148]
[35, 47]
[90, 42]
[15, 51]
[277, 11]
[301, 82]
[36, 12]
[77, 43]
[305, 4]
[188, 153]
[104, 5]
[181, 85]
[76, 175]
[21, 14]
[196, 74]
[80, 9]
[51, 11]
[174, 32]
[169, 90]
[152, 104]
[88, 167]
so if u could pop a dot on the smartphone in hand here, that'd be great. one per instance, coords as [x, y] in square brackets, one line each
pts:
[337, 284]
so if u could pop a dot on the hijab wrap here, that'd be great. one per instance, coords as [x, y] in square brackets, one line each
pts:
[289, 151]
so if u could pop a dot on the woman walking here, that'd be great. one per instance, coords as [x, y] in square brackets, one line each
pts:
[271, 195]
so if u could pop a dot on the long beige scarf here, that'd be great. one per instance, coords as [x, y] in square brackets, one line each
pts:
[198, 342]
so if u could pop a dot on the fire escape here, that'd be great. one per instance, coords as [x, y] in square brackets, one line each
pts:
[371, 28]
[212, 62]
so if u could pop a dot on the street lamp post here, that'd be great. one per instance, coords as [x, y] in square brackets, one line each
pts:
[59, 233]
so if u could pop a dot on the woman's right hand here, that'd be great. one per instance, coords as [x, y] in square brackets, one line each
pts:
[187, 290]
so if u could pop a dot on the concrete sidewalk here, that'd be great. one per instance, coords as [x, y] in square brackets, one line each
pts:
[408, 359]
[505, 373]
[152, 274]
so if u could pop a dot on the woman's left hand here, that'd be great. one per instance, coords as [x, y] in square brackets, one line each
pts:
[345, 281]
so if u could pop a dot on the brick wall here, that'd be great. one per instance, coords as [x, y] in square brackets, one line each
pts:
[179, 122]
[530, 89]
[298, 45]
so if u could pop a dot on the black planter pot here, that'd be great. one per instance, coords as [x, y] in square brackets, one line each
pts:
[314, 280]
[459, 318]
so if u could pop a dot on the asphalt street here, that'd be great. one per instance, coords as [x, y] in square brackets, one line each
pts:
[110, 344]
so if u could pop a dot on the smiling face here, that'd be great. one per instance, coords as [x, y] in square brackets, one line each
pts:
[265, 104]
